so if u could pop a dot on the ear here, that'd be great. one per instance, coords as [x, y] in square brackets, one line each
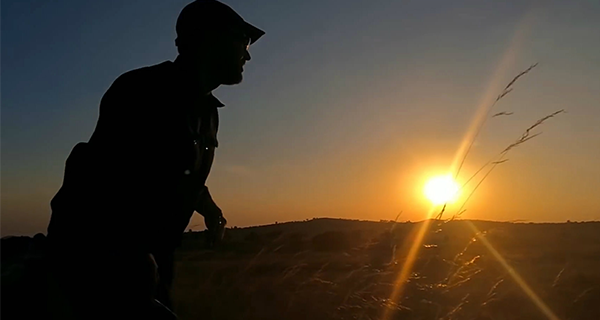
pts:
[190, 46]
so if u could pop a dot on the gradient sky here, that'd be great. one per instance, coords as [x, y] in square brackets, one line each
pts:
[347, 107]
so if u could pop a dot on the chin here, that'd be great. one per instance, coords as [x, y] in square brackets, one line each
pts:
[233, 80]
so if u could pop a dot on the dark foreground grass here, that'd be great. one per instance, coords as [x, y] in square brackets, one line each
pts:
[333, 269]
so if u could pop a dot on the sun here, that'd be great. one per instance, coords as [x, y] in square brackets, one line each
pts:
[441, 189]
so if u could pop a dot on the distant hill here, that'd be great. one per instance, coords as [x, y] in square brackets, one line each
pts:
[460, 231]
[320, 225]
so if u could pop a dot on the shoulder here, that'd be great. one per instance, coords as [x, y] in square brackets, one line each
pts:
[144, 77]
[135, 88]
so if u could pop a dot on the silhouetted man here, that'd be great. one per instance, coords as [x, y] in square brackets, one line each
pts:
[132, 189]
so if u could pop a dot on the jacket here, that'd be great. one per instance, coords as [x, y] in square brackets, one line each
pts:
[137, 181]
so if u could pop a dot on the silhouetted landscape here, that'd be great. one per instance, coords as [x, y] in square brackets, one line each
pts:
[346, 269]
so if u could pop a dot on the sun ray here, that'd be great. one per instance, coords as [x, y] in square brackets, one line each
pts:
[514, 275]
[495, 85]
[406, 269]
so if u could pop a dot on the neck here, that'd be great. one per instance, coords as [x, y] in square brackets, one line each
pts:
[195, 74]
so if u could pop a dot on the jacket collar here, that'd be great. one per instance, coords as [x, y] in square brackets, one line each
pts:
[213, 101]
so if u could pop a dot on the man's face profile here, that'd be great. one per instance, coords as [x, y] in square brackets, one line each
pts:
[228, 55]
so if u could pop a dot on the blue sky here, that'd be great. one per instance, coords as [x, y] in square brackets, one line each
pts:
[346, 106]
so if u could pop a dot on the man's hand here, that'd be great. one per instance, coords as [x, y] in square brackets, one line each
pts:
[213, 218]
[215, 225]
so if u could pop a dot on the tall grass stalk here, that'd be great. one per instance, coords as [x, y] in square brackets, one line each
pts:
[499, 158]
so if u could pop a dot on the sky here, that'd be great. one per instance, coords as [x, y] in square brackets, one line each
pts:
[346, 108]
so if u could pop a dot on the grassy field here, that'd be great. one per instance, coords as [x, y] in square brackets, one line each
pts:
[342, 269]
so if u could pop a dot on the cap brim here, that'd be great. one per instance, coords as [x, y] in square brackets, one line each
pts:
[252, 32]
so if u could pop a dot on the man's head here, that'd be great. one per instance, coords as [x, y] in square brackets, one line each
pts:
[214, 38]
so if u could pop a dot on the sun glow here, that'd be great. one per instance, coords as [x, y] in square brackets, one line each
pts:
[441, 189]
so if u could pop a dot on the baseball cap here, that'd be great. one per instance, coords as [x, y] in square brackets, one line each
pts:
[203, 17]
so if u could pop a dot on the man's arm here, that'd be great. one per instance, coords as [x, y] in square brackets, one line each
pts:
[205, 205]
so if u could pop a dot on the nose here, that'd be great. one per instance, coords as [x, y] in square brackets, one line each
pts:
[247, 55]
